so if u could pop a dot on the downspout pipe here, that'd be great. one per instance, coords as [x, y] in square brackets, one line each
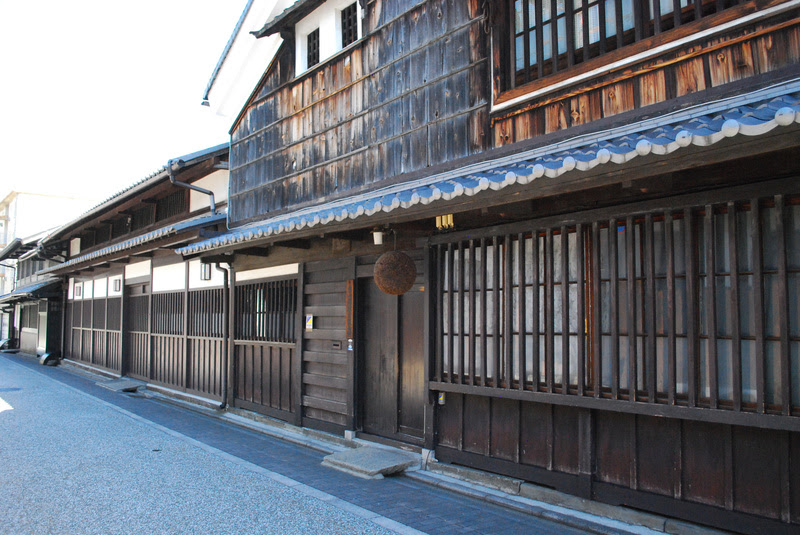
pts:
[226, 335]
[175, 164]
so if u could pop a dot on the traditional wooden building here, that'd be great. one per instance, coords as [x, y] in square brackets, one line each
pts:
[131, 306]
[33, 304]
[600, 201]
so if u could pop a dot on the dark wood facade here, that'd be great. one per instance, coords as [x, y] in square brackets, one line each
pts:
[627, 333]
[413, 93]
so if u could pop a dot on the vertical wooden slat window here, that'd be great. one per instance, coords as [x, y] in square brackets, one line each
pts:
[86, 322]
[171, 205]
[349, 25]
[114, 321]
[168, 313]
[120, 227]
[206, 313]
[553, 35]
[137, 315]
[312, 48]
[696, 306]
[99, 314]
[141, 218]
[266, 311]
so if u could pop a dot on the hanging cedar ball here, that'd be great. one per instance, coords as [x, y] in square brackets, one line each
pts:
[395, 273]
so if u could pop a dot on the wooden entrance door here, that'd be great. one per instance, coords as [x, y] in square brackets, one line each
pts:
[137, 332]
[391, 357]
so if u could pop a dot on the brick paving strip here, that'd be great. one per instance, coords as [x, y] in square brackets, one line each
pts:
[401, 504]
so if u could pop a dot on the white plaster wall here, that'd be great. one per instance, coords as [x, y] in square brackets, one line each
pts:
[101, 287]
[169, 278]
[217, 183]
[217, 278]
[263, 273]
[139, 269]
[71, 289]
[328, 19]
[246, 60]
[88, 288]
[111, 291]
[74, 247]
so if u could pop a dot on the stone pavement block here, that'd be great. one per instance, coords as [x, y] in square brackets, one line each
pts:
[124, 384]
[369, 462]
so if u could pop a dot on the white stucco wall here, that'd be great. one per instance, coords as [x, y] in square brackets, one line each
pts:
[111, 291]
[169, 278]
[328, 19]
[217, 278]
[246, 60]
[217, 183]
[138, 269]
[100, 287]
[263, 273]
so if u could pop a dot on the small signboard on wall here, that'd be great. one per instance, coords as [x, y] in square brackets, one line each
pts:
[309, 323]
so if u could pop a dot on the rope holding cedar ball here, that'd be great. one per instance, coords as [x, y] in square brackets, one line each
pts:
[395, 273]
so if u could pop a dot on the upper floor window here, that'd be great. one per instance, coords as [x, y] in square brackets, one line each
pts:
[312, 48]
[349, 25]
[334, 25]
[553, 35]
[171, 205]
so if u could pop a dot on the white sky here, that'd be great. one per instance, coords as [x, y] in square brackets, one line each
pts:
[98, 94]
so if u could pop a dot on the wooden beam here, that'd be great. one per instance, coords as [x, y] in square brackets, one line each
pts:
[253, 251]
[219, 258]
[295, 244]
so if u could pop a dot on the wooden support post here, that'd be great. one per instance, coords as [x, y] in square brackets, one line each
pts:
[297, 368]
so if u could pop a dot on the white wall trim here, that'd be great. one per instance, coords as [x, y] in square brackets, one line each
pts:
[169, 278]
[264, 273]
[100, 287]
[217, 278]
[327, 18]
[139, 269]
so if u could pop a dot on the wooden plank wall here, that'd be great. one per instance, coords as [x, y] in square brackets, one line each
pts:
[671, 466]
[758, 50]
[327, 365]
[412, 93]
[93, 332]
[263, 373]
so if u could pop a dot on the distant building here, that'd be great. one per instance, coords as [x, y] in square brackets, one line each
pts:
[23, 215]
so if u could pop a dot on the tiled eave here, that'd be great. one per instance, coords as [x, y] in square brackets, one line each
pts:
[134, 190]
[143, 239]
[750, 114]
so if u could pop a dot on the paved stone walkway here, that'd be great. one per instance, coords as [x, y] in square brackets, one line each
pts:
[364, 506]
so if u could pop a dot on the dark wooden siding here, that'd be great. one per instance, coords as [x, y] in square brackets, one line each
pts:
[683, 307]
[327, 374]
[732, 476]
[182, 346]
[413, 93]
[665, 378]
[93, 332]
[757, 49]
[265, 347]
